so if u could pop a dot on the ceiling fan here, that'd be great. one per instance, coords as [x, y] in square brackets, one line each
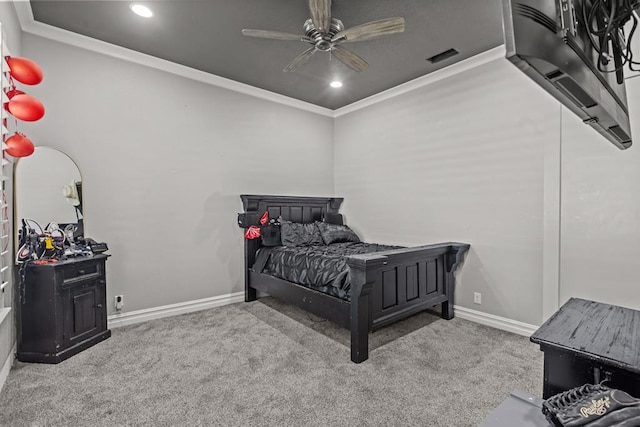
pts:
[326, 34]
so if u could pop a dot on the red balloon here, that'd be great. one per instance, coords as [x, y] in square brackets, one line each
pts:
[14, 92]
[26, 107]
[18, 145]
[25, 70]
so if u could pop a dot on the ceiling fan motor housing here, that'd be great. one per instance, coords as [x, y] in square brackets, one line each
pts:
[322, 41]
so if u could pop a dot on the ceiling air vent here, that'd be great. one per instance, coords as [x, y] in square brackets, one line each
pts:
[443, 55]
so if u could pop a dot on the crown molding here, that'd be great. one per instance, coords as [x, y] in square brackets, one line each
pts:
[31, 26]
[443, 73]
[24, 12]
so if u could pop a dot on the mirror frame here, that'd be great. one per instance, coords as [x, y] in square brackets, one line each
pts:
[17, 225]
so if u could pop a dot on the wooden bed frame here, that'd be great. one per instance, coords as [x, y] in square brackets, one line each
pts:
[385, 286]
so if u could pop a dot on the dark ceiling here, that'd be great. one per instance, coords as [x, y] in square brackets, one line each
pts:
[206, 35]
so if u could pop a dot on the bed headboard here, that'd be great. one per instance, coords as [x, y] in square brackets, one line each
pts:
[291, 208]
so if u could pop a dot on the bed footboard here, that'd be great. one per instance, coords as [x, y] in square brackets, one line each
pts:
[391, 285]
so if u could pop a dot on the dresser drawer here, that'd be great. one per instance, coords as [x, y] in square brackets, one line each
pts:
[75, 273]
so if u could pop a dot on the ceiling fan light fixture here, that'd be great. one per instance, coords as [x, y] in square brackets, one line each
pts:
[141, 10]
[336, 84]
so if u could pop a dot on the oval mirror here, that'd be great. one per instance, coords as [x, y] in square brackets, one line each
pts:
[47, 189]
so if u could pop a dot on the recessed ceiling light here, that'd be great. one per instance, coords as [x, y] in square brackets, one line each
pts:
[336, 83]
[141, 10]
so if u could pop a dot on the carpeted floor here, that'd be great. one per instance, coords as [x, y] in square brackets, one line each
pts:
[265, 363]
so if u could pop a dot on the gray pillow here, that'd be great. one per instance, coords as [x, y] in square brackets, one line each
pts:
[298, 234]
[334, 233]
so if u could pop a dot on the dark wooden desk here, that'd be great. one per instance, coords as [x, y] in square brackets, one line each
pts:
[588, 342]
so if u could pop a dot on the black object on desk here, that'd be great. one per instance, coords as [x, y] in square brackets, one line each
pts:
[61, 308]
[586, 342]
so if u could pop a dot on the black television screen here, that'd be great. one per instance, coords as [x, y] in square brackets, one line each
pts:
[550, 41]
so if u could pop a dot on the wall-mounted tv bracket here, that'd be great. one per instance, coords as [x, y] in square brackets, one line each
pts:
[567, 18]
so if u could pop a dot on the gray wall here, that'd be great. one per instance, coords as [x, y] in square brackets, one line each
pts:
[460, 159]
[11, 30]
[601, 212]
[164, 160]
[551, 209]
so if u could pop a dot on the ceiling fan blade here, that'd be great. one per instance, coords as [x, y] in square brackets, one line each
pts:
[349, 58]
[300, 60]
[370, 30]
[275, 35]
[321, 14]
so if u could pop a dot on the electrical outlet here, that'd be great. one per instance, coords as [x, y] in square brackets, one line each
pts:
[119, 302]
[477, 297]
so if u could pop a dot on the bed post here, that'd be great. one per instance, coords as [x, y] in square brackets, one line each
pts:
[250, 248]
[454, 258]
[364, 273]
[246, 219]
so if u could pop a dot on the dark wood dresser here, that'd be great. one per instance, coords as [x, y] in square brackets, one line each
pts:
[586, 342]
[61, 308]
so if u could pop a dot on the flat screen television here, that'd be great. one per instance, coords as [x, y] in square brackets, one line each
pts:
[550, 42]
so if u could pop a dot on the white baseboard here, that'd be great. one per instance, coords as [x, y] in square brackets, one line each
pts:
[497, 322]
[4, 372]
[138, 316]
[129, 318]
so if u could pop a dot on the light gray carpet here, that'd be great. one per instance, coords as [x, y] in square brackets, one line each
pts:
[265, 363]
